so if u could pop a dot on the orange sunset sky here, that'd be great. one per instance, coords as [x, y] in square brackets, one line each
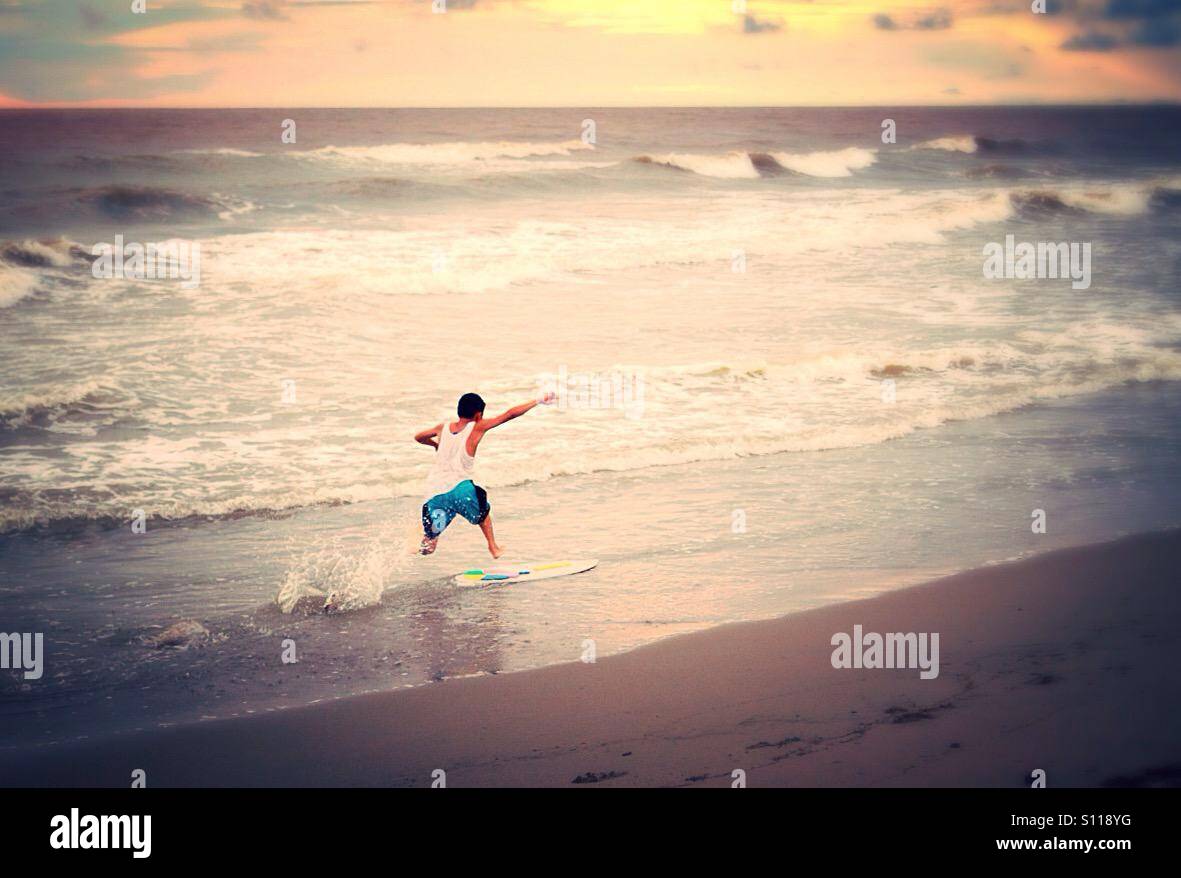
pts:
[585, 52]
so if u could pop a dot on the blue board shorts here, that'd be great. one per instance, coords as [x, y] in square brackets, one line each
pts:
[467, 499]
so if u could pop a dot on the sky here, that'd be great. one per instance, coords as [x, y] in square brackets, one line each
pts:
[585, 53]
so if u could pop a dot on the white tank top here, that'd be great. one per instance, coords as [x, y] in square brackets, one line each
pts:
[452, 462]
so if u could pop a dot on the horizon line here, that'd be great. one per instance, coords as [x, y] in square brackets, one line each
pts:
[1162, 102]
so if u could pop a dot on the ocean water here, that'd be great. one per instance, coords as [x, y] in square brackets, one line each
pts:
[724, 297]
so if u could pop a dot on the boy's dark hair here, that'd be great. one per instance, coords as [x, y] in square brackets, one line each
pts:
[469, 404]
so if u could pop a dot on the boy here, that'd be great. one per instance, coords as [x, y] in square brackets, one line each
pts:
[451, 490]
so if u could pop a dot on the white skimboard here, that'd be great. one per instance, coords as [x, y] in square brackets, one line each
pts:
[501, 573]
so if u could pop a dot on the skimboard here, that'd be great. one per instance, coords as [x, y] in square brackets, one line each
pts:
[501, 573]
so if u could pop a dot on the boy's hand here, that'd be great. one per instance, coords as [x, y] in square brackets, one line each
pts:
[428, 436]
[548, 399]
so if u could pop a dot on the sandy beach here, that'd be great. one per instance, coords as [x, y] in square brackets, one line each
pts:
[1064, 662]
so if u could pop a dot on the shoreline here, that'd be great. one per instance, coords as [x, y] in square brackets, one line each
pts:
[1061, 661]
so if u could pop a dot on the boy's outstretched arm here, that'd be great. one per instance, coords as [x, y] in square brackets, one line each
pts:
[427, 436]
[516, 411]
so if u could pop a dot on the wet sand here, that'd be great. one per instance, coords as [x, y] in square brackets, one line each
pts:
[1066, 662]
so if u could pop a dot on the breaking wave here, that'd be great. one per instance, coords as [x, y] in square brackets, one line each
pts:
[836, 163]
[752, 165]
[957, 143]
[25, 264]
[977, 143]
[138, 204]
[80, 398]
[1125, 199]
[936, 386]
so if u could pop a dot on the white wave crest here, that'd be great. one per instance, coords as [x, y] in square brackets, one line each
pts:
[957, 143]
[731, 166]
[1113, 199]
[223, 151]
[443, 153]
[15, 284]
[19, 403]
[1116, 200]
[836, 163]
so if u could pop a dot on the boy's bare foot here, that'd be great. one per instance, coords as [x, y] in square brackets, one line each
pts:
[428, 545]
[496, 550]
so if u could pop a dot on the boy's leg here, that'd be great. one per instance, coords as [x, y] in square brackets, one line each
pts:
[486, 529]
[485, 522]
[434, 522]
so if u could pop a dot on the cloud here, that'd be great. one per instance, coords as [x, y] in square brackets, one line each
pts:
[85, 75]
[1151, 24]
[1090, 42]
[1157, 34]
[939, 19]
[1143, 24]
[1141, 8]
[751, 25]
[267, 10]
[65, 51]
[1022, 7]
[935, 19]
[244, 42]
[92, 19]
[999, 8]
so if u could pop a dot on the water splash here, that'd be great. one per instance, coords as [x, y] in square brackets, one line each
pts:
[350, 573]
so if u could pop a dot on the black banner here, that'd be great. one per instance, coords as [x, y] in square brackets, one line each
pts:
[322, 826]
